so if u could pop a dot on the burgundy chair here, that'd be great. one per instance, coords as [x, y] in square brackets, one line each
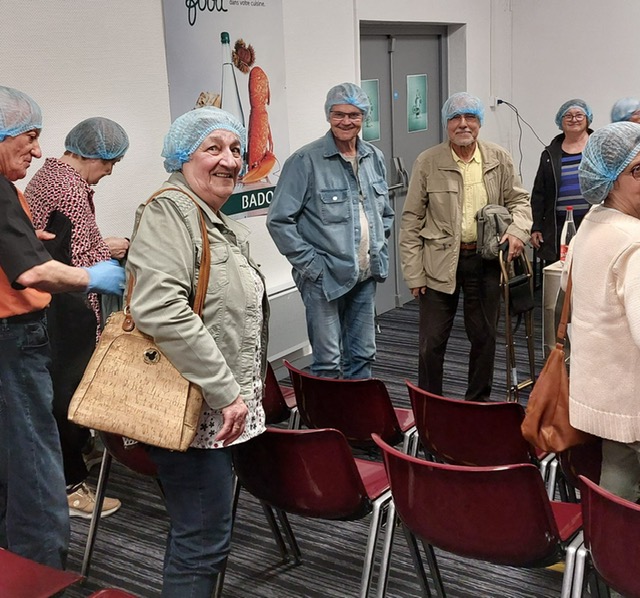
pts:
[475, 434]
[355, 407]
[133, 456]
[279, 401]
[313, 473]
[611, 547]
[497, 514]
[584, 459]
[23, 578]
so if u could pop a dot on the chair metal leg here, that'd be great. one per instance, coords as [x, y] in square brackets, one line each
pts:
[288, 533]
[549, 473]
[101, 490]
[417, 562]
[294, 419]
[374, 532]
[275, 530]
[569, 565]
[435, 570]
[387, 549]
[579, 568]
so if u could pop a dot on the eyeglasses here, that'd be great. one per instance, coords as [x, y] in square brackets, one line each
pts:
[352, 116]
[577, 117]
[635, 172]
[466, 116]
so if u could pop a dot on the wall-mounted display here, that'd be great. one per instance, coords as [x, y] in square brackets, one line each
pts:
[417, 103]
[371, 125]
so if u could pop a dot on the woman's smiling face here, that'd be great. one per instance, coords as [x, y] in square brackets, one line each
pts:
[213, 169]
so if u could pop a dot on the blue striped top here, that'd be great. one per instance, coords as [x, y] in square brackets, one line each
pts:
[569, 191]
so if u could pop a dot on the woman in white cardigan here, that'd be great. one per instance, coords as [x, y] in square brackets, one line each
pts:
[605, 321]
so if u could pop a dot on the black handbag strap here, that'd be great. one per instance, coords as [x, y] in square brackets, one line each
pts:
[564, 316]
[205, 263]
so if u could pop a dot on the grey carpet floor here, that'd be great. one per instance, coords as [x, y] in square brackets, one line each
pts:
[130, 544]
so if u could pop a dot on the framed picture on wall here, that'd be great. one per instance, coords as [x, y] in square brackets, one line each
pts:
[371, 124]
[416, 103]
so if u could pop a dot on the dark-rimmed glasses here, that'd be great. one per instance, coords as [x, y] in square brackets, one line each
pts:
[635, 172]
[577, 117]
[352, 116]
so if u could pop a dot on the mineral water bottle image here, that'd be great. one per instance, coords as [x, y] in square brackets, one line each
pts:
[568, 232]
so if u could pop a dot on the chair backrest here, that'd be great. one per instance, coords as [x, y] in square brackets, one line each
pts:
[111, 593]
[135, 457]
[611, 532]
[357, 408]
[584, 459]
[470, 433]
[497, 514]
[275, 407]
[307, 472]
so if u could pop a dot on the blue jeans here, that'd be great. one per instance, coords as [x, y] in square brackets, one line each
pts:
[341, 332]
[198, 493]
[34, 514]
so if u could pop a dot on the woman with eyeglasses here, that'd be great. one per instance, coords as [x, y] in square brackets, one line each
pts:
[604, 257]
[556, 185]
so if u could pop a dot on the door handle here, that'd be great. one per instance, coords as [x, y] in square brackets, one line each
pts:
[402, 177]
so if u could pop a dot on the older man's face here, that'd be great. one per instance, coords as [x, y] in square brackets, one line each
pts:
[463, 129]
[345, 121]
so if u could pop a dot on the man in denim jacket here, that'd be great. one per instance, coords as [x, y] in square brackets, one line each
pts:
[330, 216]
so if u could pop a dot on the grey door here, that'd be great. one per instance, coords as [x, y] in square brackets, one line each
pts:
[407, 61]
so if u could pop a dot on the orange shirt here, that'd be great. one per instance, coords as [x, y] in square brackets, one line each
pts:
[14, 302]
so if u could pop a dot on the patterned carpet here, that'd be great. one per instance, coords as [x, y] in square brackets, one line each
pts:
[129, 549]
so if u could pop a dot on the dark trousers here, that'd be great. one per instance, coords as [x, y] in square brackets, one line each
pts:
[72, 330]
[479, 281]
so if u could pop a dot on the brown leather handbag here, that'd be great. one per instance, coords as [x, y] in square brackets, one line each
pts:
[130, 388]
[546, 422]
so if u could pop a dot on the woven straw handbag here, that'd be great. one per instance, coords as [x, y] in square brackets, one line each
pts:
[130, 388]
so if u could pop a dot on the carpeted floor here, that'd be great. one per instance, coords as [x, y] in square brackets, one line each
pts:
[129, 549]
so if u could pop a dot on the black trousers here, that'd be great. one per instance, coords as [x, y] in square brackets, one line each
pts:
[71, 324]
[479, 281]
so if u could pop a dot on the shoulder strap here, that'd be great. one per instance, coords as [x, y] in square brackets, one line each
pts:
[205, 261]
[564, 317]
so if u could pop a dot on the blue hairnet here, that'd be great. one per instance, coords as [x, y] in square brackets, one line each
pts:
[347, 93]
[189, 130]
[462, 103]
[18, 113]
[575, 103]
[608, 152]
[623, 109]
[99, 138]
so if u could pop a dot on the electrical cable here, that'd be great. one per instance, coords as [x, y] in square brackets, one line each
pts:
[518, 119]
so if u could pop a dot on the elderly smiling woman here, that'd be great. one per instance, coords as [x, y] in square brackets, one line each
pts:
[224, 352]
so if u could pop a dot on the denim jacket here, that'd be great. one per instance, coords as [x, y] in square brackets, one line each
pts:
[314, 215]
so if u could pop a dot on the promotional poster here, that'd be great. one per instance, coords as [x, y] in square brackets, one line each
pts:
[230, 54]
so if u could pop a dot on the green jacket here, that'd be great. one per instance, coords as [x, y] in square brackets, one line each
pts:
[217, 355]
[431, 225]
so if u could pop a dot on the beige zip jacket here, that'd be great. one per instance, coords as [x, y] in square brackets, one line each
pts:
[430, 230]
[217, 354]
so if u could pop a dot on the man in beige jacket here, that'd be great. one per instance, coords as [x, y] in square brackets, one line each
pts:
[438, 242]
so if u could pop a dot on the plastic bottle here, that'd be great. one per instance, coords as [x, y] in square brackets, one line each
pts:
[568, 232]
[230, 98]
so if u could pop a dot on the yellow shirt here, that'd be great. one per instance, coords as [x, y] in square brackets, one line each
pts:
[475, 194]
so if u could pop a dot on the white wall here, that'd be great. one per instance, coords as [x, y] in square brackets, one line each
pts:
[77, 59]
[564, 49]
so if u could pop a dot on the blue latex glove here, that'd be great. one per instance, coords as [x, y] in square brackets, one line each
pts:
[106, 277]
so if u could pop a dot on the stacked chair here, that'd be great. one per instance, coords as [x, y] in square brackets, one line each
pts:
[501, 515]
[313, 472]
[611, 550]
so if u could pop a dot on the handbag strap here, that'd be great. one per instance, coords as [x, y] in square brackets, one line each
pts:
[564, 316]
[205, 263]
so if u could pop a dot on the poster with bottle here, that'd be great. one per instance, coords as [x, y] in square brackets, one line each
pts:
[230, 54]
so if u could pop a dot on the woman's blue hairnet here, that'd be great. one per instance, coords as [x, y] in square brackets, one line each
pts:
[575, 103]
[462, 103]
[189, 130]
[18, 113]
[347, 93]
[623, 109]
[98, 138]
[608, 152]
